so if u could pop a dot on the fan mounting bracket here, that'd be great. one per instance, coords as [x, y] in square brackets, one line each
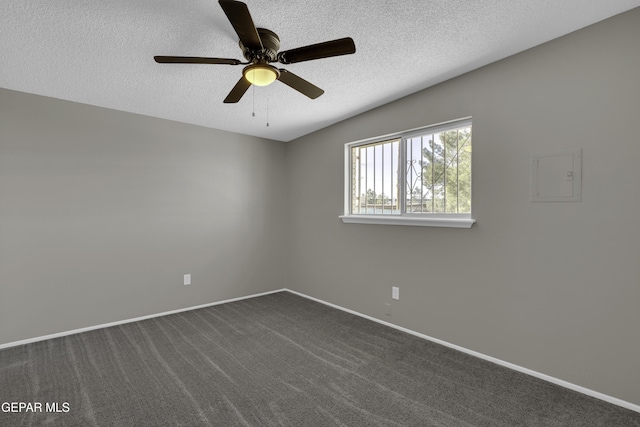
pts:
[270, 46]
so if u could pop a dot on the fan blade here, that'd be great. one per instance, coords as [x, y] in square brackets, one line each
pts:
[300, 84]
[194, 60]
[338, 47]
[238, 90]
[240, 18]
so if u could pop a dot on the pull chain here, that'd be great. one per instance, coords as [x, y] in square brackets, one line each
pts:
[253, 90]
[267, 112]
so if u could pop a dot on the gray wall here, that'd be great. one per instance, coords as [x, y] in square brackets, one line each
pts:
[102, 212]
[553, 287]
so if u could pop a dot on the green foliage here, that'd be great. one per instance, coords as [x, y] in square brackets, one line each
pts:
[445, 179]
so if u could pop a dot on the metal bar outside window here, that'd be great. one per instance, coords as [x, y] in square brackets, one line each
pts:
[444, 172]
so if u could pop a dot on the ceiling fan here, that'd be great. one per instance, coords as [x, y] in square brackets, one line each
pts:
[260, 48]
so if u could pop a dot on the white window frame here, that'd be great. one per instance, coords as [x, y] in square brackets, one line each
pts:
[452, 220]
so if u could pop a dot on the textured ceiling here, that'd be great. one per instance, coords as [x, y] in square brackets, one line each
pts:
[101, 53]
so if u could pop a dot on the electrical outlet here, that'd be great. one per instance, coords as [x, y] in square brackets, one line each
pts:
[395, 292]
[187, 279]
[387, 308]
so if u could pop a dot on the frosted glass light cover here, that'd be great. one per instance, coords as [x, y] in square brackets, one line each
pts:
[260, 75]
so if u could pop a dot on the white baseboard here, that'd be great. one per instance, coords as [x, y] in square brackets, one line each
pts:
[122, 322]
[562, 383]
[545, 377]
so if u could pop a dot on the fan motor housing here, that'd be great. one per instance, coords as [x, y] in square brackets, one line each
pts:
[270, 44]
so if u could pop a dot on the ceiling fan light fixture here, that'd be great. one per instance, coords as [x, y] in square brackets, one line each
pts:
[261, 74]
[260, 47]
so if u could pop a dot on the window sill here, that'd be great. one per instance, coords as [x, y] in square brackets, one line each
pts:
[403, 220]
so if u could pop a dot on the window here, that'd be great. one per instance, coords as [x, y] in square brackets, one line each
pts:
[417, 177]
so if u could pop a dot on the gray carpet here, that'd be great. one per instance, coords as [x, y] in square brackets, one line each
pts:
[277, 360]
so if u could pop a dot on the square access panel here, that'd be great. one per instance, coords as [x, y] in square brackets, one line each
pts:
[556, 177]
